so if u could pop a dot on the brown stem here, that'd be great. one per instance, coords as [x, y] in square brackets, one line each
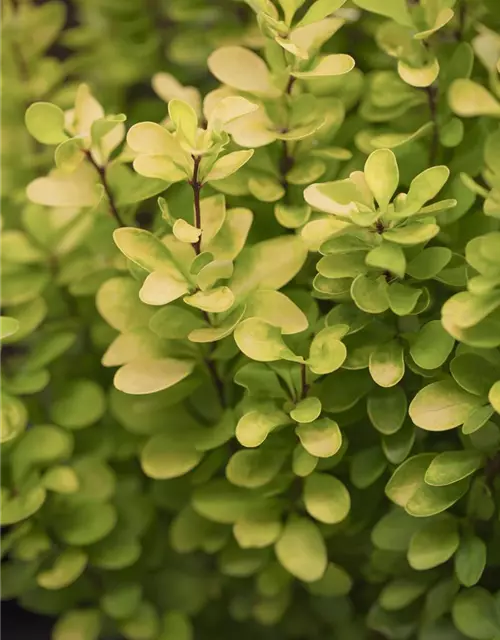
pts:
[303, 381]
[432, 101]
[218, 384]
[196, 186]
[102, 176]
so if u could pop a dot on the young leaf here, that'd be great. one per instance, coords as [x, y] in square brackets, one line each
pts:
[301, 550]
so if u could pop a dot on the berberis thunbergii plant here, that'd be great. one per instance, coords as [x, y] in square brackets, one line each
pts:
[251, 365]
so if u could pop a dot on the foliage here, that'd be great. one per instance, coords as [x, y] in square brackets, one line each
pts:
[250, 330]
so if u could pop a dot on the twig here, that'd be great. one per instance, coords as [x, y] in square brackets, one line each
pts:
[432, 101]
[196, 185]
[303, 381]
[102, 176]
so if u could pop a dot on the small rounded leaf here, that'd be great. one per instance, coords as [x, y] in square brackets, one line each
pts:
[301, 550]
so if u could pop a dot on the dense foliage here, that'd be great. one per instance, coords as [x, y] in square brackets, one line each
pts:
[251, 330]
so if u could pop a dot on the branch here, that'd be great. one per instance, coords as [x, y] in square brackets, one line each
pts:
[303, 382]
[102, 177]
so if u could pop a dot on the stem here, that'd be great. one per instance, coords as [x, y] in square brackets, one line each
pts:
[303, 381]
[492, 469]
[196, 185]
[432, 101]
[102, 176]
[462, 12]
[286, 160]
[218, 384]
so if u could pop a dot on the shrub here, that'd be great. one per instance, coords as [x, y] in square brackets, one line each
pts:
[251, 376]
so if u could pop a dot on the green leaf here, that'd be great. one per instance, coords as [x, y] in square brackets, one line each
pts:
[143, 624]
[149, 376]
[301, 550]
[68, 155]
[319, 10]
[122, 600]
[382, 176]
[327, 353]
[367, 466]
[401, 592]
[441, 406]
[387, 257]
[307, 410]
[164, 457]
[254, 468]
[78, 404]
[474, 614]
[477, 419]
[83, 624]
[451, 466]
[342, 265]
[408, 478]
[59, 189]
[434, 544]
[321, 438]
[470, 560]
[221, 501]
[403, 299]
[292, 216]
[68, 566]
[395, 9]
[334, 583]
[432, 346]
[387, 409]
[419, 76]
[176, 626]
[261, 341]
[8, 326]
[184, 118]
[86, 523]
[174, 323]
[387, 364]
[303, 463]
[326, 498]
[45, 122]
[185, 232]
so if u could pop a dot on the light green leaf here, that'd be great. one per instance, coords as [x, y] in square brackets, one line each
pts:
[411, 234]
[429, 262]
[68, 155]
[433, 544]
[432, 346]
[8, 326]
[301, 550]
[221, 501]
[277, 309]
[261, 341]
[215, 333]
[494, 396]
[321, 438]
[387, 257]
[164, 457]
[214, 301]
[425, 186]
[292, 216]
[441, 406]
[327, 353]
[395, 9]
[419, 76]
[162, 287]
[121, 600]
[370, 295]
[470, 560]
[45, 122]
[149, 376]
[307, 410]
[382, 175]
[326, 498]
[303, 463]
[254, 427]
[228, 164]
[334, 64]
[319, 10]
[67, 567]
[184, 118]
[408, 478]
[386, 364]
[85, 523]
[469, 99]
[59, 189]
[185, 232]
[403, 299]
[143, 248]
[242, 69]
